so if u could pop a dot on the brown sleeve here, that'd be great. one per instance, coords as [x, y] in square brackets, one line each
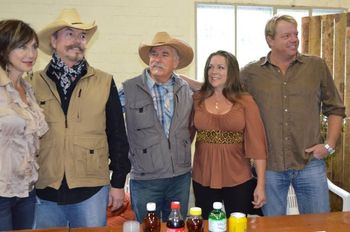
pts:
[255, 145]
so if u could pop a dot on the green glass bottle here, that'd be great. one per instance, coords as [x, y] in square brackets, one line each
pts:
[217, 219]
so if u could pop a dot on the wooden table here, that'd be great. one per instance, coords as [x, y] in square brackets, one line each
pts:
[326, 222]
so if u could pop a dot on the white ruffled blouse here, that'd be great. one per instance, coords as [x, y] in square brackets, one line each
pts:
[21, 126]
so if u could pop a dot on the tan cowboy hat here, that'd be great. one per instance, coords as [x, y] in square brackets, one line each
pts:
[67, 18]
[164, 39]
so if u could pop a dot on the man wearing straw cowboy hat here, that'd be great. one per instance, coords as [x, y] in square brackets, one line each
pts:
[157, 107]
[83, 110]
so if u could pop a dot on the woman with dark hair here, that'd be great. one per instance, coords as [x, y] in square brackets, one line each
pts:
[21, 124]
[230, 134]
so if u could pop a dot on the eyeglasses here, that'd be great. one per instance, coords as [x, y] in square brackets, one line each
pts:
[71, 35]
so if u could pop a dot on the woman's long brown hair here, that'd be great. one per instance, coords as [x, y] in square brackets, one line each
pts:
[233, 88]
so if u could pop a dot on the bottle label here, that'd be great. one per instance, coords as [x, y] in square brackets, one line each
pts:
[217, 225]
[175, 229]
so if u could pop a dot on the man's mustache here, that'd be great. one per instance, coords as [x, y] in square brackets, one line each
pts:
[157, 65]
[73, 46]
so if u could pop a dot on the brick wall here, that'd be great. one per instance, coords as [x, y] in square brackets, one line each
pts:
[123, 24]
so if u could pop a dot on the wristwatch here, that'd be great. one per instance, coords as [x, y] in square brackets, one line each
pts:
[329, 149]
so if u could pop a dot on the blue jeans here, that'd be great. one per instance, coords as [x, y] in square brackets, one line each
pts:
[17, 213]
[310, 185]
[162, 192]
[89, 213]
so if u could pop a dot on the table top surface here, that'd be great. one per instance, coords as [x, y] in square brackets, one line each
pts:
[324, 222]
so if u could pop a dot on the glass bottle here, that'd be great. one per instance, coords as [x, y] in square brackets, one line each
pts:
[194, 221]
[151, 222]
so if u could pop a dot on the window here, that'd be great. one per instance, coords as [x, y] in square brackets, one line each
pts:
[251, 42]
[327, 11]
[215, 31]
[240, 29]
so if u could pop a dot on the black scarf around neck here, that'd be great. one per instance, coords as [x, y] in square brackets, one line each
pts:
[64, 75]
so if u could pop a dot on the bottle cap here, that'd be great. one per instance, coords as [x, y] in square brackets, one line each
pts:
[175, 205]
[196, 211]
[217, 205]
[131, 226]
[237, 215]
[151, 206]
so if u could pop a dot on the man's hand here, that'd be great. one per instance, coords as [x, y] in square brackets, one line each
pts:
[194, 85]
[318, 151]
[116, 198]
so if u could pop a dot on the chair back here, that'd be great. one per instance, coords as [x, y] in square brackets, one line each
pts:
[292, 202]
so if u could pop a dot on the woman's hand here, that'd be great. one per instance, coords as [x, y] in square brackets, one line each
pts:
[259, 197]
[259, 192]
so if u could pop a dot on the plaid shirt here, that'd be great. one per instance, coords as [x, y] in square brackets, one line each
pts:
[163, 100]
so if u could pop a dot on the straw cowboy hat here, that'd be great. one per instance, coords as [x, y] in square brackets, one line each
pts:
[67, 18]
[184, 51]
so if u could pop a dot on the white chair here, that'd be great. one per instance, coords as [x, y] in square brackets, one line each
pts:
[127, 184]
[292, 204]
[341, 193]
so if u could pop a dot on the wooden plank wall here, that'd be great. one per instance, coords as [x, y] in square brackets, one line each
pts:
[328, 36]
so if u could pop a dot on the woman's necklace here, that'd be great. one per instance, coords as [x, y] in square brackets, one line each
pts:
[217, 101]
[216, 105]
